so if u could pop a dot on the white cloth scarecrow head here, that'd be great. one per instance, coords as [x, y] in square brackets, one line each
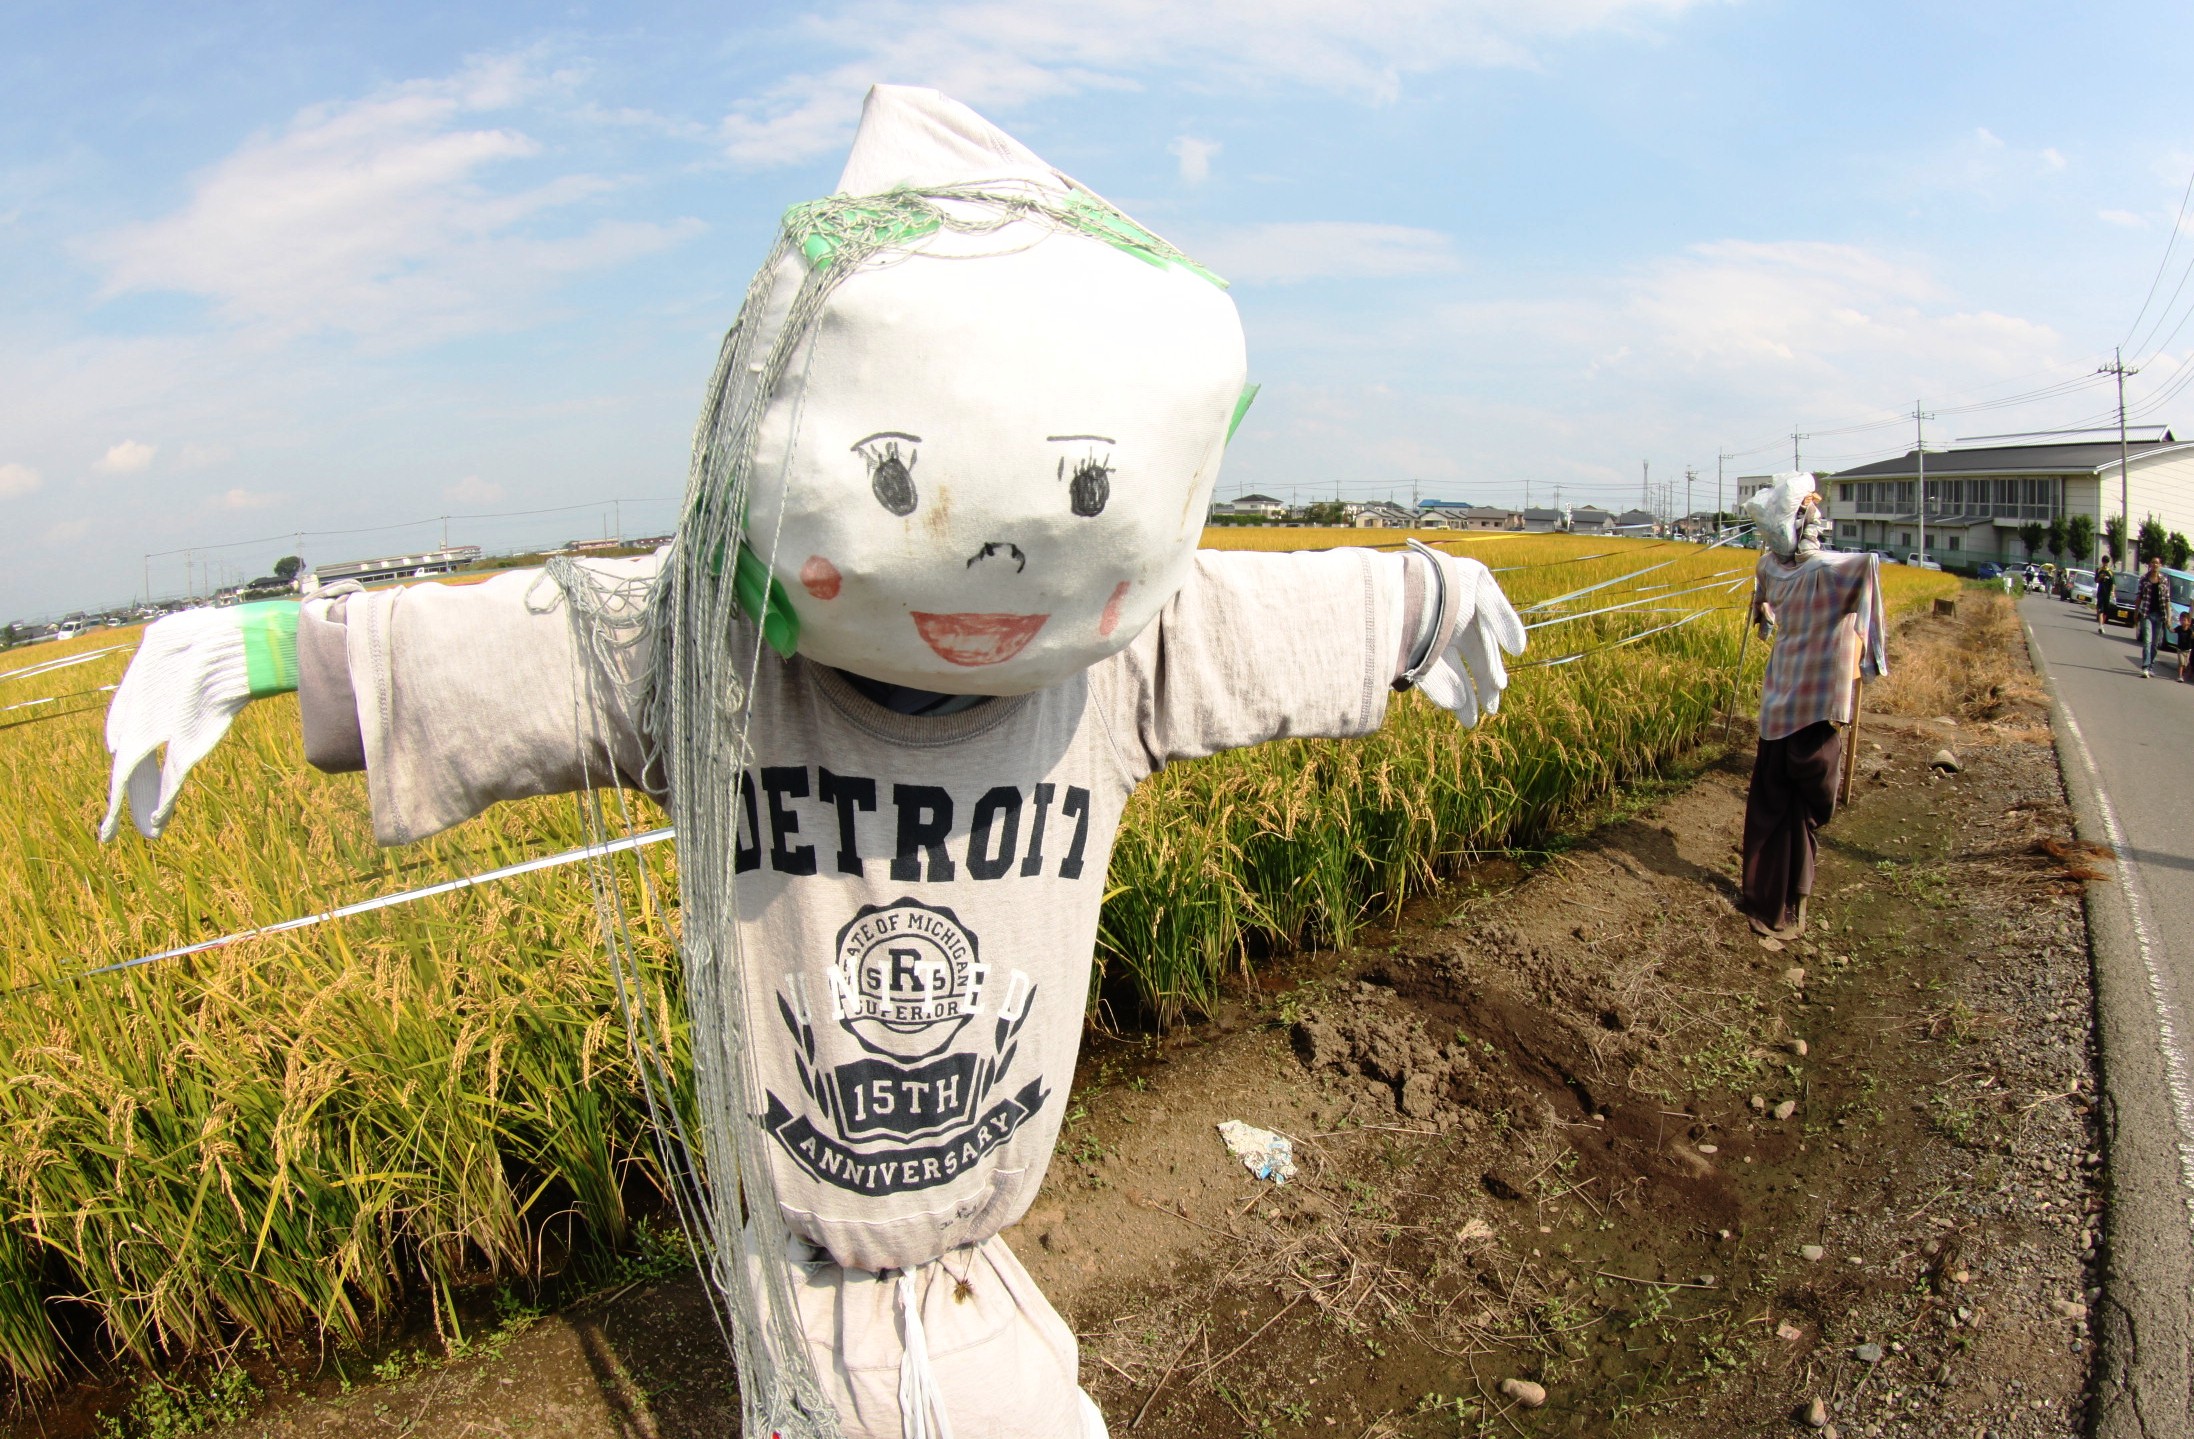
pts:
[987, 463]
[1784, 521]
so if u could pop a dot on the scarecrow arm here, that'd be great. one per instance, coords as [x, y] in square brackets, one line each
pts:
[1258, 647]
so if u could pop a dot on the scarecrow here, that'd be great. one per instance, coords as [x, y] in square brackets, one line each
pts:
[934, 608]
[1823, 612]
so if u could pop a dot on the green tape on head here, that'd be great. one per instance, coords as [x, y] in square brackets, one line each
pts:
[823, 227]
[270, 646]
[1241, 408]
[1101, 222]
[766, 602]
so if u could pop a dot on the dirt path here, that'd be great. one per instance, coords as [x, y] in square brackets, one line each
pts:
[1577, 1128]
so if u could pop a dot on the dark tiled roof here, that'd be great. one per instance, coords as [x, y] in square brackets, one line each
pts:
[2005, 459]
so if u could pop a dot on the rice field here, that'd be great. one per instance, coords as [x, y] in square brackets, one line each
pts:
[299, 1134]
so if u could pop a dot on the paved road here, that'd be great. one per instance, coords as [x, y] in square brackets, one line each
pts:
[2128, 750]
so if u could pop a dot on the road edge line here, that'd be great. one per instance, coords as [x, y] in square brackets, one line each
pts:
[2140, 1385]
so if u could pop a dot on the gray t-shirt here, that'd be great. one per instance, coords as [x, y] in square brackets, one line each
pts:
[921, 893]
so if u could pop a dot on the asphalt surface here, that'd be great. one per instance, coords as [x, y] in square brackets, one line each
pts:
[2127, 747]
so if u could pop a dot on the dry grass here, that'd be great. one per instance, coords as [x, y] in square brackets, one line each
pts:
[1968, 667]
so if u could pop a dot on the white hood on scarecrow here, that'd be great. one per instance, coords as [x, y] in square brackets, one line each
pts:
[1781, 517]
[987, 466]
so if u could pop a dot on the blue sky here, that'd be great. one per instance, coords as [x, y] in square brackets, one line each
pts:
[279, 268]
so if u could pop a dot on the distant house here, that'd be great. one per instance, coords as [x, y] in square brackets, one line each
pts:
[1251, 505]
[1490, 517]
[1591, 520]
[1637, 522]
[1381, 515]
[1542, 521]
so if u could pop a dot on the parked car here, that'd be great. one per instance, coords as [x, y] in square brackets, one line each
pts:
[1922, 562]
[2083, 586]
[1989, 571]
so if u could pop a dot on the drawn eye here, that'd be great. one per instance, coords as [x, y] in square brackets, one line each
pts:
[890, 474]
[1090, 486]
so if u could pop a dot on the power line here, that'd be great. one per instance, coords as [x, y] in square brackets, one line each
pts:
[400, 525]
[2171, 243]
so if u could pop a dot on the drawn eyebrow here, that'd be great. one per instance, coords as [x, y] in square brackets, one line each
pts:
[889, 435]
[1055, 439]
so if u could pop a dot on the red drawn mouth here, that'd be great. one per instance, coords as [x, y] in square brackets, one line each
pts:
[977, 639]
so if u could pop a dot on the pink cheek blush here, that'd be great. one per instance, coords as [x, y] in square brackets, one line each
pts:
[1110, 619]
[820, 578]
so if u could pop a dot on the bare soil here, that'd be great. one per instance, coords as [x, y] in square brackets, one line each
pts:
[1572, 1125]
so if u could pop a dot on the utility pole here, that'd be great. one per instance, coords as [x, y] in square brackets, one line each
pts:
[1691, 474]
[2125, 492]
[1796, 462]
[1645, 483]
[1719, 460]
[1919, 455]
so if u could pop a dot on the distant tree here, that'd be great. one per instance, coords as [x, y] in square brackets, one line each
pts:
[2151, 539]
[2177, 550]
[2079, 538]
[2114, 538]
[2031, 534]
[11, 635]
[2053, 538]
[1326, 512]
[286, 568]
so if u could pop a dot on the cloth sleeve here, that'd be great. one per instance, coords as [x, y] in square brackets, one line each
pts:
[1260, 646]
[1874, 657]
[453, 697]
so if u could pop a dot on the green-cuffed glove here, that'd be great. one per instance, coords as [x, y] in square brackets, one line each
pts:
[192, 672]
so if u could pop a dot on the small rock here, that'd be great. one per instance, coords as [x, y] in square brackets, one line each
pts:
[1830, 1433]
[1961, 1277]
[1758, 1103]
[1816, 1414]
[1770, 943]
[1795, 976]
[1868, 1353]
[1944, 760]
[2069, 1308]
[1812, 1253]
[1524, 1392]
[1710, 1149]
[1787, 1108]
[1798, 1047]
[1788, 1332]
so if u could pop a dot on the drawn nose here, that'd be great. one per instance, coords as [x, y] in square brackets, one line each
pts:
[999, 549]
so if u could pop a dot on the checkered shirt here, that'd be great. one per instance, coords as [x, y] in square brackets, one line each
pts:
[1819, 604]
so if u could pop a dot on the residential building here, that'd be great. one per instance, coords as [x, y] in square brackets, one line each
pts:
[1637, 522]
[1381, 515]
[1591, 520]
[1258, 506]
[1981, 490]
[1489, 517]
[394, 567]
[1544, 521]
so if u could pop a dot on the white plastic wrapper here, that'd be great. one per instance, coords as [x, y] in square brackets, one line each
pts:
[1262, 1152]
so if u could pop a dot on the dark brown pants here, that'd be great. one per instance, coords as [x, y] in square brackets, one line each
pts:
[1793, 794]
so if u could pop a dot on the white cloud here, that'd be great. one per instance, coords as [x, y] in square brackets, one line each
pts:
[1195, 156]
[472, 490]
[66, 531]
[1004, 53]
[18, 479]
[243, 499]
[2052, 158]
[377, 217]
[130, 457]
[2126, 218]
[1290, 252]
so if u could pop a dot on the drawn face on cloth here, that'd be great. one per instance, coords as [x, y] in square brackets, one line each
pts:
[987, 465]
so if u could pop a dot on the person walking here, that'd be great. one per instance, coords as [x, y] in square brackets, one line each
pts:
[2184, 632]
[2151, 612]
[2102, 594]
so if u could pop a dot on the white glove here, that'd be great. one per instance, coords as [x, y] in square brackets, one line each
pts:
[192, 672]
[1468, 676]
